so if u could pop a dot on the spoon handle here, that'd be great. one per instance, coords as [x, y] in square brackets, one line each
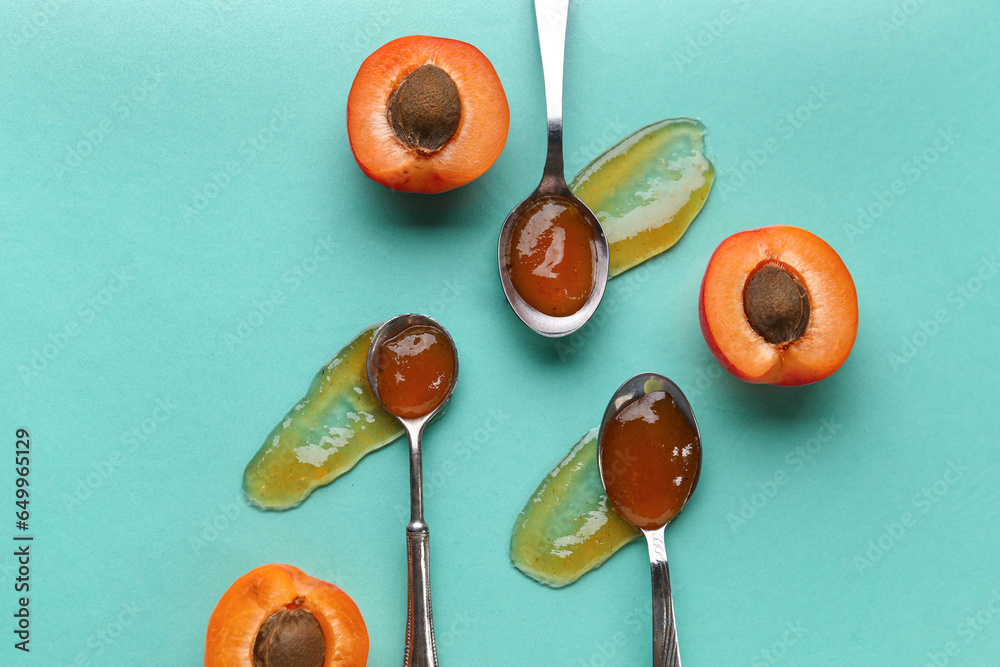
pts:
[420, 648]
[551, 15]
[665, 650]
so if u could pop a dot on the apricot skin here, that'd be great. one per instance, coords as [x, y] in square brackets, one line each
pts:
[832, 329]
[254, 597]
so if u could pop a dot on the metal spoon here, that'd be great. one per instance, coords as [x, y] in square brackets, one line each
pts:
[550, 15]
[665, 650]
[420, 648]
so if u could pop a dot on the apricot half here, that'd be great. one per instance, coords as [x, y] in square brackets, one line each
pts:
[278, 616]
[426, 114]
[778, 306]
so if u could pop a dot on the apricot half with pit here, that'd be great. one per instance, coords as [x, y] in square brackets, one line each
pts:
[426, 114]
[278, 616]
[778, 306]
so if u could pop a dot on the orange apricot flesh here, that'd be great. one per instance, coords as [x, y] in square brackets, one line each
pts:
[234, 628]
[778, 306]
[409, 132]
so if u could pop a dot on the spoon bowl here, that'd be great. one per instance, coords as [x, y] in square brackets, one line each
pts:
[389, 329]
[542, 323]
[640, 385]
[665, 647]
[420, 650]
[550, 16]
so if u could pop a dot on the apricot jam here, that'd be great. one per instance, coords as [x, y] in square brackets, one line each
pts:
[416, 369]
[650, 458]
[552, 256]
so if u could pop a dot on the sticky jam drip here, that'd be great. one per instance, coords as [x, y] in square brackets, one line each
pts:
[552, 257]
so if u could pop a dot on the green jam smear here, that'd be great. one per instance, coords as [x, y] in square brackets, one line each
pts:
[647, 188]
[568, 527]
[336, 423]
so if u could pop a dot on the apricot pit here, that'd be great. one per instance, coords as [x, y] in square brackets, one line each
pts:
[290, 638]
[776, 305]
[425, 109]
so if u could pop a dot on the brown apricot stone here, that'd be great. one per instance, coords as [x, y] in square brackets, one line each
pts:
[425, 109]
[290, 638]
[776, 305]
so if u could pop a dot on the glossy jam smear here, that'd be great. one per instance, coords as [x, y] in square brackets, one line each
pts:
[647, 189]
[651, 456]
[552, 257]
[568, 527]
[335, 424]
[416, 370]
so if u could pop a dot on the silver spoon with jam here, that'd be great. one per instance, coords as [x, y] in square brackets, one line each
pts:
[412, 367]
[649, 456]
[553, 255]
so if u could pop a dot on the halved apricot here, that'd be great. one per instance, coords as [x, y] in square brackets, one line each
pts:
[278, 616]
[778, 306]
[426, 114]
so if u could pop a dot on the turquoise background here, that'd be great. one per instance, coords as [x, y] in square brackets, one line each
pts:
[198, 151]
